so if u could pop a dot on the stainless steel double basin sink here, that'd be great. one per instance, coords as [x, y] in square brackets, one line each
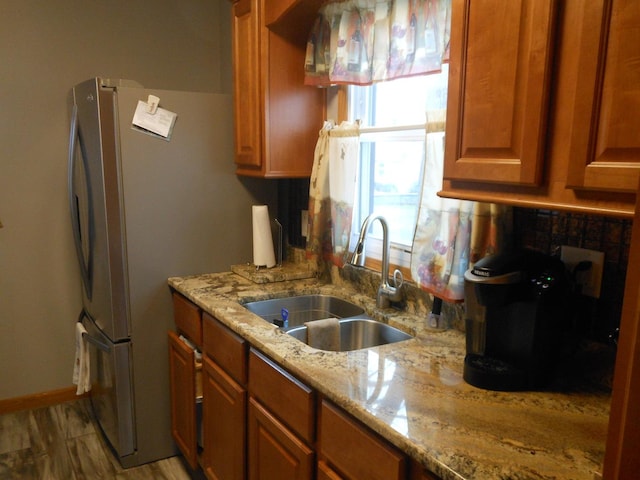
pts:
[357, 330]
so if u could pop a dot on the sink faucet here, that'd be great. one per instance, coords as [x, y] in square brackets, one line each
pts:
[387, 293]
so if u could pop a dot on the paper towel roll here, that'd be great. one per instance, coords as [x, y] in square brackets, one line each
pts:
[263, 254]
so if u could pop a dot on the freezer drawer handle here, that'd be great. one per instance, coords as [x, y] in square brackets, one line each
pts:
[102, 346]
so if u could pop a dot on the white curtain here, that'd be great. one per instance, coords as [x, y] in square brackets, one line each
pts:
[452, 234]
[332, 192]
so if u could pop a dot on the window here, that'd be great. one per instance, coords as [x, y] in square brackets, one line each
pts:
[392, 152]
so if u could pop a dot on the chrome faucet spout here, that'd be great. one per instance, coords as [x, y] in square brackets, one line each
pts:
[387, 292]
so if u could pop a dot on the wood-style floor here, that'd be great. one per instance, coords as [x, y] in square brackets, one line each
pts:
[62, 442]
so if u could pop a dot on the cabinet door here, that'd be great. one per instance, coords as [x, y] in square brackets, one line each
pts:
[499, 81]
[247, 84]
[224, 426]
[294, 112]
[182, 375]
[275, 453]
[605, 139]
[277, 117]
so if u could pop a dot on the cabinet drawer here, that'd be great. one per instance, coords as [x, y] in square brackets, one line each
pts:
[349, 447]
[418, 472]
[226, 348]
[187, 318]
[289, 399]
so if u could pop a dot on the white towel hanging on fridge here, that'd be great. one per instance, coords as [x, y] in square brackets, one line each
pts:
[81, 367]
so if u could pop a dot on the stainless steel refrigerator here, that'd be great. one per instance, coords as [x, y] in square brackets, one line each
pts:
[144, 209]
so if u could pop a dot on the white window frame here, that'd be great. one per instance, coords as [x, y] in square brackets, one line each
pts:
[399, 253]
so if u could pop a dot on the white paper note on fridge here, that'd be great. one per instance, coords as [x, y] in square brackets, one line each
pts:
[161, 122]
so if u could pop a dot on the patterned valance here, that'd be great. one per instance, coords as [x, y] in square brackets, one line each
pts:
[365, 41]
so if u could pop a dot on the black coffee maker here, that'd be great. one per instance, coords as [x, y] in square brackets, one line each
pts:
[518, 313]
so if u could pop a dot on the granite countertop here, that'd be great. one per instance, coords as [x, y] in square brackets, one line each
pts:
[413, 394]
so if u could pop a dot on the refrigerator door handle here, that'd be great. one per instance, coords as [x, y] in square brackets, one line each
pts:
[91, 339]
[73, 204]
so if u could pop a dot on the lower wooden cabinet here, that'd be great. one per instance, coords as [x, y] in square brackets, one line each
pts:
[227, 349]
[218, 381]
[419, 473]
[259, 422]
[224, 409]
[348, 447]
[224, 404]
[325, 472]
[292, 402]
[276, 453]
[188, 319]
[281, 423]
[182, 375]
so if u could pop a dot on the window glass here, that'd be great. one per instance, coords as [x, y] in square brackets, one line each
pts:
[392, 150]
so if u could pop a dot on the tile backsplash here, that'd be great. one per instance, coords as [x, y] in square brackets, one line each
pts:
[547, 230]
[293, 197]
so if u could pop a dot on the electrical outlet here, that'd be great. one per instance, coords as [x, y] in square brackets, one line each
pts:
[590, 280]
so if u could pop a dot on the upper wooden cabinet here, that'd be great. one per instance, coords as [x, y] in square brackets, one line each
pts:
[277, 117]
[544, 104]
[291, 12]
[246, 75]
[498, 90]
[605, 140]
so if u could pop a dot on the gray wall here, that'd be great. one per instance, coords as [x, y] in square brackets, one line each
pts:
[46, 47]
